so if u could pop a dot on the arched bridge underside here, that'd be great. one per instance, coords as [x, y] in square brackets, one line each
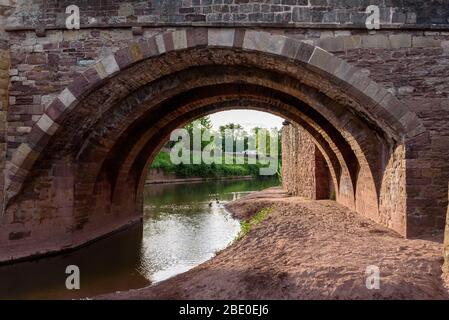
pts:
[80, 174]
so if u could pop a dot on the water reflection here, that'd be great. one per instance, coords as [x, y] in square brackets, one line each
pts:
[184, 225]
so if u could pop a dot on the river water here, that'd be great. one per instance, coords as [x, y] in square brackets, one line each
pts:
[184, 225]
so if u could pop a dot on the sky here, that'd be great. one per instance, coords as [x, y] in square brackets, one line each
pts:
[248, 119]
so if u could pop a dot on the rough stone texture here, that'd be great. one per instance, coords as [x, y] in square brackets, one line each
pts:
[446, 246]
[427, 161]
[298, 162]
[417, 63]
[324, 186]
[345, 13]
[304, 170]
[4, 87]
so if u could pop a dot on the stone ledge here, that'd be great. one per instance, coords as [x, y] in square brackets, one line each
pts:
[261, 25]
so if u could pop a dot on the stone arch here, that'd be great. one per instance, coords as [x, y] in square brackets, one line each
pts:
[350, 101]
[379, 104]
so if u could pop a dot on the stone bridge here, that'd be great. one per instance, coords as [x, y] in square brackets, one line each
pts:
[83, 112]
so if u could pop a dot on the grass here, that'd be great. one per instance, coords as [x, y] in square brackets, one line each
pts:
[162, 161]
[248, 225]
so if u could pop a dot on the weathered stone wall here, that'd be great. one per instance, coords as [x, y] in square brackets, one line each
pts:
[298, 162]
[44, 66]
[305, 173]
[4, 86]
[446, 246]
[419, 78]
[304, 170]
[428, 164]
[325, 189]
[284, 12]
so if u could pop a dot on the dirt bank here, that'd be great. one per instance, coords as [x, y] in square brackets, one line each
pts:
[308, 250]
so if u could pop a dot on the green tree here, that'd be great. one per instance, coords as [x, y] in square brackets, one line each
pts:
[255, 132]
[201, 124]
[231, 131]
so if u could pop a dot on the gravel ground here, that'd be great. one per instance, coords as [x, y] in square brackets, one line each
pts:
[308, 250]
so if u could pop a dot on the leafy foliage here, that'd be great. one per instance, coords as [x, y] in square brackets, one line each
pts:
[162, 161]
[231, 131]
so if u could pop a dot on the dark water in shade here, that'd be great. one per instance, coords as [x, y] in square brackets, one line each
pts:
[180, 230]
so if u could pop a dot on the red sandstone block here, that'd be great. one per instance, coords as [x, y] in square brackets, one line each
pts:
[394, 106]
[168, 41]
[55, 111]
[124, 58]
[357, 93]
[327, 64]
[412, 124]
[197, 37]
[36, 58]
[92, 77]
[239, 37]
[383, 113]
[38, 139]
[343, 74]
[79, 86]
[27, 164]
[136, 52]
[290, 49]
[18, 178]
[419, 142]
[26, 109]
[148, 48]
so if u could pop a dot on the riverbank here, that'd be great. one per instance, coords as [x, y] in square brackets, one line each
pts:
[173, 179]
[307, 250]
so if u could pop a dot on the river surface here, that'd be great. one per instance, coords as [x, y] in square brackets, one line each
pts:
[184, 225]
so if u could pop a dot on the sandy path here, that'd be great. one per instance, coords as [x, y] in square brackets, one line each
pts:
[308, 250]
